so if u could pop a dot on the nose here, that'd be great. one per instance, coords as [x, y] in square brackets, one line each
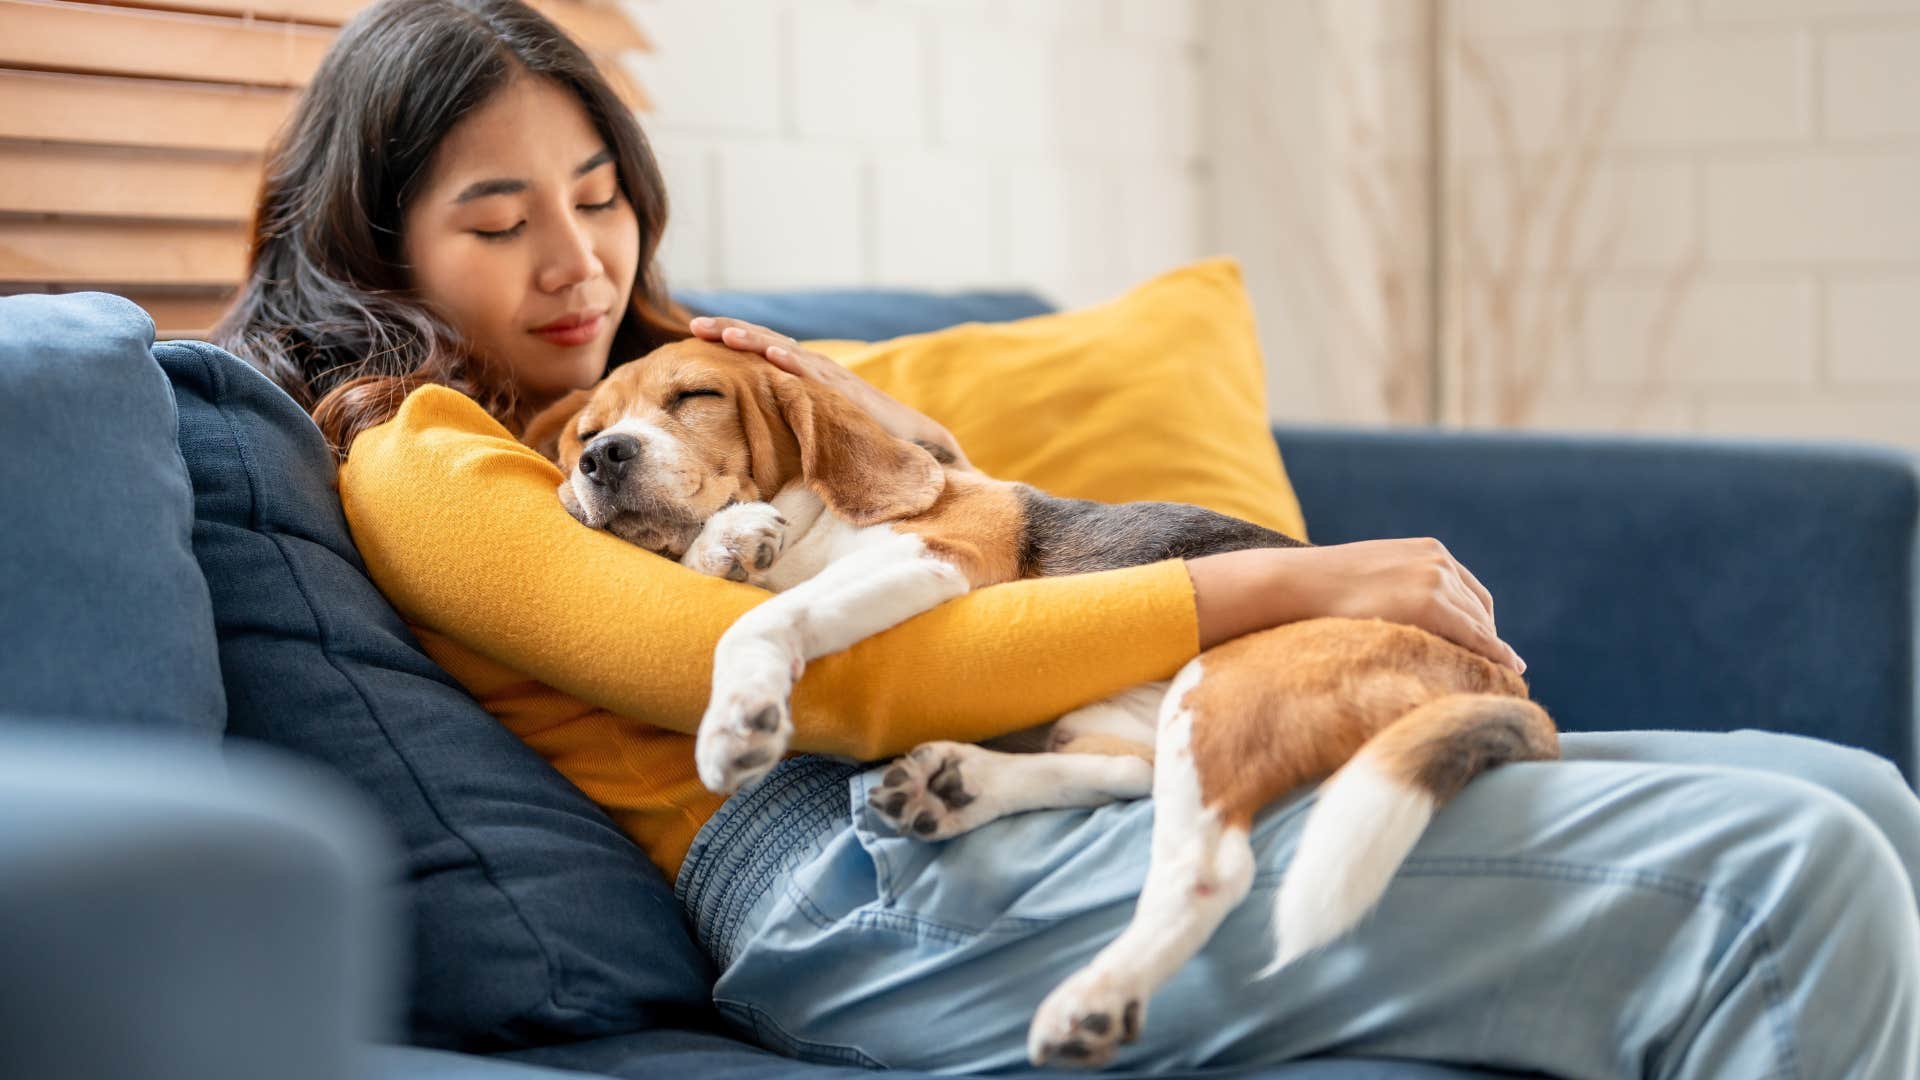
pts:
[606, 458]
[568, 257]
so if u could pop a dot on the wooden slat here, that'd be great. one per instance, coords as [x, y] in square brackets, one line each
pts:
[182, 315]
[176, 313]
[318, 12]
[80, 253]
[127, 183]
[46, 34]
[624, 86]
[135, 127]
[596, 28]
[139, 112]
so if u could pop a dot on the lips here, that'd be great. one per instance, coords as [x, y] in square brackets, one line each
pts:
[575, 329]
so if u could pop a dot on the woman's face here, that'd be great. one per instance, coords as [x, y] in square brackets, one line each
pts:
[522, 239]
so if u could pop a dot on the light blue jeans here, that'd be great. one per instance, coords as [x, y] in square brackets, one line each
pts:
[1657, 904]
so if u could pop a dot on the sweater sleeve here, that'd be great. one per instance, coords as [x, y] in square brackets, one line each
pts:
[461, 528]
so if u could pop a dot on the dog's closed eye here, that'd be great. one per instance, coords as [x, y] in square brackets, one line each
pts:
[684, 395]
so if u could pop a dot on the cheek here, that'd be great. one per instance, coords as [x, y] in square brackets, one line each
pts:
[463, 283]
[619, 244]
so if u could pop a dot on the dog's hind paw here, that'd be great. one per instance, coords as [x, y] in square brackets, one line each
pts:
[934, 792]
[1086, 1019]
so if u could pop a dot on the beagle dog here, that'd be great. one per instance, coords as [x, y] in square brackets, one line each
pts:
[737, 469]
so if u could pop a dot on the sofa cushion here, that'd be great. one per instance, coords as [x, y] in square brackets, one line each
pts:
[1158, 394]
[105, 617]
[535, 920]
[862, 314]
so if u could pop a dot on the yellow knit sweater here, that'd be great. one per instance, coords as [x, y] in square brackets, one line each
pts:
[599, 655]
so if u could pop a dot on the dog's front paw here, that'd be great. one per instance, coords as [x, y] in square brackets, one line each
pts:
[739, 542]
[1087, 1018]
[743, 734]
[934, 792]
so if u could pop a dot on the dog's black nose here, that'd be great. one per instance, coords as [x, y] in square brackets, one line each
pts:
[606, 458]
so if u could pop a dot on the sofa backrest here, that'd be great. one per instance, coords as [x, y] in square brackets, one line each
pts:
[104, 616]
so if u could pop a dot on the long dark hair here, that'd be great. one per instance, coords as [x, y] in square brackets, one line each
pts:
[327, 311]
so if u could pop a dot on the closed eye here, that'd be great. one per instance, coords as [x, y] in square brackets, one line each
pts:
[685, 394]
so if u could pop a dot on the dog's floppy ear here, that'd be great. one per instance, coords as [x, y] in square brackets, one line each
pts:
[544, 430]
[862, 473]
[772, 454]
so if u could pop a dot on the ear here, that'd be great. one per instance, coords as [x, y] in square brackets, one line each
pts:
[862, 473]
[544, 430]
[771, 452]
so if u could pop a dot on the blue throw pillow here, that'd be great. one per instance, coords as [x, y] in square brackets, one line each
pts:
[104, 616]
[535, 920]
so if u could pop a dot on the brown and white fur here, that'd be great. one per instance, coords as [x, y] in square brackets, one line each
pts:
[737, 469]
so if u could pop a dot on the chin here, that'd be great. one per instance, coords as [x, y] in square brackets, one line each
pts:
[578, 373]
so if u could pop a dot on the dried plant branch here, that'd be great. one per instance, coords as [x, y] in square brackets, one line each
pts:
[1510, 336]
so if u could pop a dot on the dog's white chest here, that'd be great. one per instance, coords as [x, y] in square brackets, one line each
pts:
[816, 537]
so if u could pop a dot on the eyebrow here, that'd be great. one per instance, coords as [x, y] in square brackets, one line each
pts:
[480, 189]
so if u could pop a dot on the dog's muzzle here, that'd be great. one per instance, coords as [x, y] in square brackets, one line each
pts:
[610, 490]
[606, 460]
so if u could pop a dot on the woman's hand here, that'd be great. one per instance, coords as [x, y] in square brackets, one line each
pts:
[900, 420]
[1417, 582]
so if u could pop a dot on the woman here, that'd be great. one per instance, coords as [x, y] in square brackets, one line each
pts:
[460, 204]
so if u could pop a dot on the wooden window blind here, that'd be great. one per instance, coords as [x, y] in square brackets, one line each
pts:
[132, 134]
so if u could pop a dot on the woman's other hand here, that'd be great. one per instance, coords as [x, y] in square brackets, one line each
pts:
[1416, 581]
[900, 420]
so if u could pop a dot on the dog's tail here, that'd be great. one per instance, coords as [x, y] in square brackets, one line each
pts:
[1369, 813]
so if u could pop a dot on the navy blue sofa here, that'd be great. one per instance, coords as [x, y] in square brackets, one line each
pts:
[247, 829]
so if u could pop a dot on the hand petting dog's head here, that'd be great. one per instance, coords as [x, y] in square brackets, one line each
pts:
[666, 441]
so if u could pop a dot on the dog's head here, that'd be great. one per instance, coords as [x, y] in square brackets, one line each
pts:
[665, 442]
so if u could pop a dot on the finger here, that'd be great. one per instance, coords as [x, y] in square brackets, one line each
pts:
[820, 369]
[1461, 586]
[1479, 591]
[705, 327]
[711, 327]
[1465, 627]
[787, 361]
[753, 339]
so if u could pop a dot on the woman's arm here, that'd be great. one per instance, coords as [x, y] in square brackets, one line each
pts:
[461, 529]
[1414, 581]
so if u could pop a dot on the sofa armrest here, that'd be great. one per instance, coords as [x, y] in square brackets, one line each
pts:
[1662, 583]
[167, 911]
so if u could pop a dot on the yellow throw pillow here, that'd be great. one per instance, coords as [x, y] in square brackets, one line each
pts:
[1156, 395]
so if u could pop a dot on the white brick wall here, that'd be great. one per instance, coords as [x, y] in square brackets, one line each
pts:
[1748, 243]
[1761, 164]
[1868, 92]
[1873, 330]
[1814, 207]
[933, 143]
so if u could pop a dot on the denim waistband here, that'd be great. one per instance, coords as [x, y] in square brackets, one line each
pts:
[754, 839]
